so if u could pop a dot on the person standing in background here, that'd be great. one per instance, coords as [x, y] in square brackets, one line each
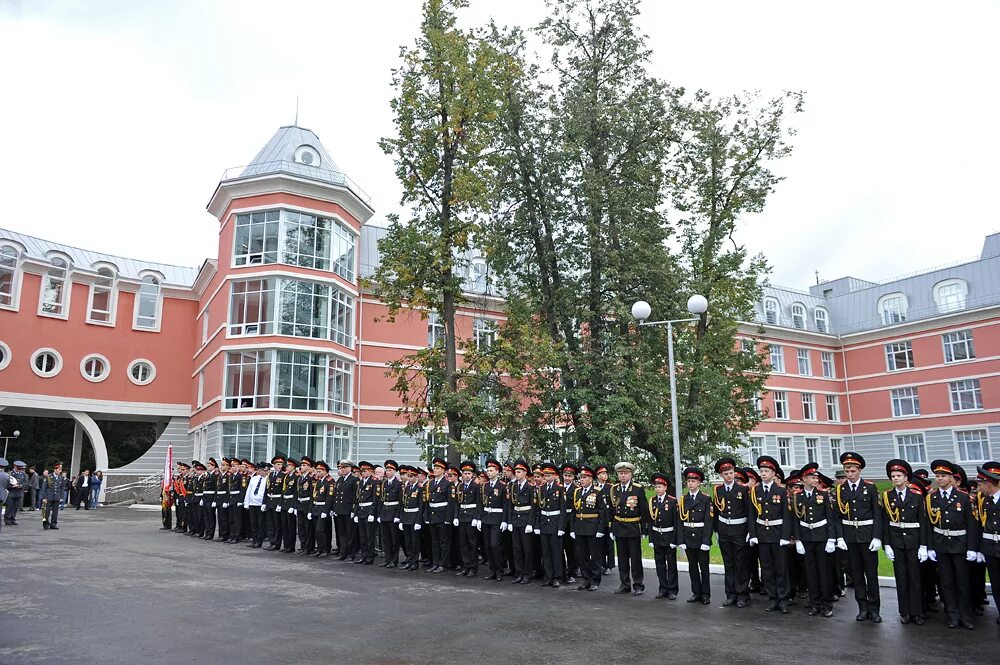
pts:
[83, 490]
[96, 481]
[32, 488]
[15, 493]
[4, 480]
[54, 488]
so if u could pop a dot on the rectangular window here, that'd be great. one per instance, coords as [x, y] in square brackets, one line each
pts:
[905, 402]
[54, 290]
[808, 406]
[201, 388]
[256, 238]
[304, 310]
[338, 443]
[8, 275]
[435, 329]
[805, 364]
[833, 408]
[829, 371]
[295, 439]
[101, 306]
[757, 404]
[204, 328]
[771, 311]
[958, 346]
[777, 358]
[836, 448]
[248, 379]
[899, 355]
[342, 318]
[435, 445]
[973, 446]
[911, 448]
[305, 240]
[747, 346]
[965, 395]
[343, 251]
[780, 405]
[294, 238]
[785, 457]
[756, 448]
[245, 440]
[485, 333]
[812, 450]
[339, 390]
[251, 308]
[300, 380]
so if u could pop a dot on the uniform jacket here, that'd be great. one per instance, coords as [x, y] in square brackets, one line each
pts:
[521, 505]
[734, 512]
[954, 528]
[211, 484]
[468, 502]
[389, 493]
[439, 501]
[904, 523]
[364, 504]
[816, 518]
[344, 494]
[772, 520]
[273, 488]
[303, 492]
[238, 487]
[695, 517]
[22, 483]
[988, 512]
[54, 487]
[550, 515]
[589, 512]
[322, 496]
[629, 511]
[288, 491]
[412, 498]
[858, 512]
[492, 502]
[664, 522]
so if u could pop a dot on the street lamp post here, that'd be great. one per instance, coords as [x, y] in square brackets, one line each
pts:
[641, 310]
[6, 440]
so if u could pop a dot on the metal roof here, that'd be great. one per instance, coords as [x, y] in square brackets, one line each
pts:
[37, 248]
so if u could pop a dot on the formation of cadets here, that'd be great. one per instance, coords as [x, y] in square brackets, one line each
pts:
[786, 538]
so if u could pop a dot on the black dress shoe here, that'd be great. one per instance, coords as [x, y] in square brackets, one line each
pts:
[905, 619]
[525, 580]
[862, 616]
[623, 589]
[783, 607]
[392, 564]
[638, 589]
[694, 599]
[729, 602]
[555, 584]
[662, 594]
[460, 574]
[968, 625]
[773, 607]
[438, 569]
[706, 600]
[594, 587]
[517, 579]
[919, 620]
[570, 580]
[54, 527]
[671, 596]
[607, 571]
[875, 617]
[827, 613]
[741, 603]
[322, 555]
[953, 624]
[978, 611]
[812, 612]
[583, 587]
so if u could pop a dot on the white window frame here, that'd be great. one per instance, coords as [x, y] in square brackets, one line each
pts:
[201, 389]
[965, 387]
[780, 397]
[777, 311]
[341, 403]
[434, 324]
[478, 280]
[836, 449]
[892, 355]
[138, 382]
[899, 313]
[112, 296]
[799, 316]
[5, 356]
[242, 443]
[897, 399]
[808, 406]
[56, 368]
[262, 397]
[829, 366]
[814, 448]
[791, 450]
[265, 323]
[15, 277]
[802, 355]
[158, 281]
[95, 356]
[341, 302]
[484, 329]
[204, 327]
[959, 452]
[755, 447]
[898, 441]
[780, 350]
[962, 288]
[66, 283]
[833, 408]
[748, 346]
[823, 327]
[948, 346]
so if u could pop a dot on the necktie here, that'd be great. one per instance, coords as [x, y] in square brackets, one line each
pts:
[899, 493]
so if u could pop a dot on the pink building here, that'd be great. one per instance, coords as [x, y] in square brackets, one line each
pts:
[274, 348]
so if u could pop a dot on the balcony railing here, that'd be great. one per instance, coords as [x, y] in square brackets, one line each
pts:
[296, 169]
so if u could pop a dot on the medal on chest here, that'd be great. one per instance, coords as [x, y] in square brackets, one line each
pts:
[631, 502]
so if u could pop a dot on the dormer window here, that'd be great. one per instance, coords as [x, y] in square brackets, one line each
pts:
[822, 318]
[55, 290]
[8, 276]
[771, 315]
[892, 308]
[799, 316]
[308, 155]
[950, 295]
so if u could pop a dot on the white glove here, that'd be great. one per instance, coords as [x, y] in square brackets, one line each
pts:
[355, 520]
[673, 546]
[841, 545]
[395, 520]
[263, 508]
[225, 505]
[932, 555]
[922, 553]
[683, 546]
[352, 517]
[613, 537]
[503, 526]
[748, 537]
[600, 535]
[970, 555]
[753, 542]
[379, 519]
[371, 518]
[400, 525]
[800, 548]
[560, 533]
[889, 554]
[479, 525]
[572, 534]
[875, 545]
[454, 522]
[784, 543]
[201, 502]
[830, 546]
[417, 527]
[705, 548]
[278, 509]
[980, 557]
[309, 516]
[213, 504]
[295, 511]
[527, 529]
[322, 516]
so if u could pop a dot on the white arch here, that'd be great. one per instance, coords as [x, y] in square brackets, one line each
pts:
[96, 441]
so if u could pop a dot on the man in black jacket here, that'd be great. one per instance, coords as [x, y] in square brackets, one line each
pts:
[858, 510]
[906, 536]
[695, 511]
[664, 530]
[954, 532]
[630, 520]
[773, 533]
[550, 524]
[588, 524]
[344, 493]
[735, 528]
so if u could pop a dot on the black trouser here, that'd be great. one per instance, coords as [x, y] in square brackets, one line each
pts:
[223, 517]
[411, 543]
[736, 560]
[306, 531]
[522, 544]
[441, 545]
[993, 566]
[12, 504]
[288, 525]
[507, 548]
[50, 512]
[235, 520]
[977, 585]
[609, 549]
[906, 568]
[954, 572]
[366, 538]
[630, 561]
[346, 531]
[698, 572]
[468, 538]
[818, 575]
[572, 567]
[208, 512]
[272, 526]
[181, 508]
[552, 556]
[665, 558]
[167, 516]
[754, 558]
[929, 583]
[391, 539]
[196, 515]
[774, 571]
[31, 496]
[324, 533]
[590, 557]
[864, 571]
[256, 521]
[494, 548]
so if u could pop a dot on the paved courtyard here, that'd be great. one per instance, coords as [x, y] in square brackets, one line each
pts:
[108, 587]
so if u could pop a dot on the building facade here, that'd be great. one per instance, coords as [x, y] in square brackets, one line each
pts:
[275, 347]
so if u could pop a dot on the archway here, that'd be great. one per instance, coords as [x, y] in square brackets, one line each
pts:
[83, 423]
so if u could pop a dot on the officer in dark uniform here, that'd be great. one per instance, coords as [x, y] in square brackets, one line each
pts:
[749, 477]
[344, 493]
[571, 570]
[520, 521]
[630, 520]
[588, 521]
[492, 506]
[735, 528]
[551, 524]
[289, 505]
[272, 489]
[197, 517]
[664, 531]
[816, 532]
[211, 498]
[602, 485]
[222, 500]
[468, 507]
[906, 537]
[53, 488]
[303, 504]
[181, 497]
[954, 530]
[238, 518]
[506, 536]
[861, 526]
[438, 507]
[412, 517]
[773, 533]
[455, 551]
[322, 504]
[695, 513]
[988, 512]
[365, 511]
[389, 493]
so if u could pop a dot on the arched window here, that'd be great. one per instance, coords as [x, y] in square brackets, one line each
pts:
[771, 312]
[950, 295]
[477, 276]
[799, 315]
[148, 303]
[822, 318]
[8, 276]
[55, 290]
[892, 307]
[101, 308]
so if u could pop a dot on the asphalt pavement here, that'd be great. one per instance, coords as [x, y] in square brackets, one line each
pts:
[109, 587]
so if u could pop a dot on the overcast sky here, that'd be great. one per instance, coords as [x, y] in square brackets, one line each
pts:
[119, 116]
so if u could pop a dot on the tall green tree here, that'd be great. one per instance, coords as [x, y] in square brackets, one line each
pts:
[444, 112]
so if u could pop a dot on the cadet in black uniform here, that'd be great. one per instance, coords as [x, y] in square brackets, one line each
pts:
[390, 492]
[550, 524]
[988, 511]
[492, 506]
[520, 520]
[466, 521]
[438, 515]
[695, 515]
[197, 529]
[570, 567]
[303, 497]
[272, 489]
[322, 504]
[289, 505]
[773, 533]
[954, 531]
[861, 527]
[816, 532]
[630, 520]
[412, 518]
[365, 509]
[735, 528]
[211, 483]
[906, 537]
[238, 516]
[222, 500]
[664, 530]
[602, 485]
[588, 522]
[344, 494]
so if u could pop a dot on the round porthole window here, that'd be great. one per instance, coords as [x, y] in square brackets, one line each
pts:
[95, 367]
[308, 155]
[141, 372]
[5, 355]
[46, 363]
